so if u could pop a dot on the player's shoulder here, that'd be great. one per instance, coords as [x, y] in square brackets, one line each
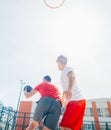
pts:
[68, 69]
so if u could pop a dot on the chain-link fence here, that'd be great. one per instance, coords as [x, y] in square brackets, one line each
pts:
[13, 120]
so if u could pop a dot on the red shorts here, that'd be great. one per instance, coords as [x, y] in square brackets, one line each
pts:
[73, 115]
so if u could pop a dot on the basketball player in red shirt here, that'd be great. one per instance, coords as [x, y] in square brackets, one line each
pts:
[48, 107]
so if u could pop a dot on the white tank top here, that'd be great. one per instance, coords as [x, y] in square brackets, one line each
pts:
[76, 92]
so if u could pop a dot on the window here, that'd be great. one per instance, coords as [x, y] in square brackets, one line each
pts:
[91, 112]
[87, 112]
[90, 126]
[106, 112]
[87, 127]
[100, 113]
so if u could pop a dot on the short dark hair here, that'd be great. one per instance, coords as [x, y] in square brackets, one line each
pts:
[47, 78]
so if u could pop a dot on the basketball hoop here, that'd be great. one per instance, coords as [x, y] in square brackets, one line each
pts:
[54, 3]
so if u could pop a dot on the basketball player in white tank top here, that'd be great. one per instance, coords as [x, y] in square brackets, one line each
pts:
[73, 98]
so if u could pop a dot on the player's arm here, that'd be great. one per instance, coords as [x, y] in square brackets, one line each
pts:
[71, 80]
[29, 94]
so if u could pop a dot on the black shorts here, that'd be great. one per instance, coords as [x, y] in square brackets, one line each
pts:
[49, 109]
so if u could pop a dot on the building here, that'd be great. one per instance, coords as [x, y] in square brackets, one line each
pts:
[98, 114]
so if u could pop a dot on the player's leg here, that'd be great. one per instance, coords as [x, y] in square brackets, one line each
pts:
[37, 116]
[33, 125]
[45, 128]
[62, 128]
[41, 111]
[41, 125]
[53, 115]
[73, 115]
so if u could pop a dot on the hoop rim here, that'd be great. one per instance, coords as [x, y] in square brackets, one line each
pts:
[53, 7]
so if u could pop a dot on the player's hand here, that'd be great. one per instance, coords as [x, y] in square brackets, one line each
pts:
[68, 94]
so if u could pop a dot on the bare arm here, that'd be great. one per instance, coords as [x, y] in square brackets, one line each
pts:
[30, 94]
[71, 80]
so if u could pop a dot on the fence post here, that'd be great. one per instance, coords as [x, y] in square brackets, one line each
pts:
[92, 126]
[2, 113]
[23, 126]
[14, 120]
[7, 122]
[107, 126]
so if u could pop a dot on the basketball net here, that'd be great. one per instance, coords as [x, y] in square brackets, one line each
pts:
[54, 3]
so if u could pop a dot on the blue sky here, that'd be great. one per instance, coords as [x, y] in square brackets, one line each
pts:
[33, 35]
